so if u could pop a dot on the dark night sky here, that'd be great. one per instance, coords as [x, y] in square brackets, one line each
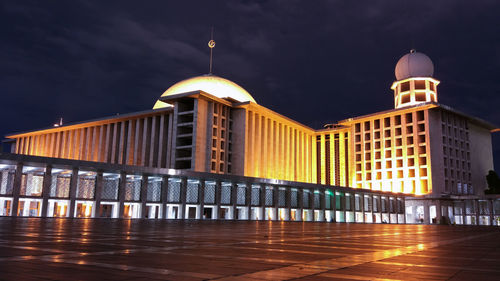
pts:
[314, 61]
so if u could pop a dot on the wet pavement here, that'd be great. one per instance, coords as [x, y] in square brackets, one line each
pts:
[101, 249]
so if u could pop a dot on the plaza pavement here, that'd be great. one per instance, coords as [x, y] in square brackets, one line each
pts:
[106, 249]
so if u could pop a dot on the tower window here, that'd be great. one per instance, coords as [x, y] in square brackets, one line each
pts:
[420, 85]
[405, 98]
[357, 127]
[397, 119]
[432, 86]
[405, 86]
[420, 115]
[367, 125]
[420, 97]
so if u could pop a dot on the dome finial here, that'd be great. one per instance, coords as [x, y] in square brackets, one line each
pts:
[211, 45]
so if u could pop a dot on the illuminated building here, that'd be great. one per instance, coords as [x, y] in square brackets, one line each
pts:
[225, 156]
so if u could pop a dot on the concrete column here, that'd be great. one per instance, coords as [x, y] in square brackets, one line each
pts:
[333, 205]
[218, 192]
[438, 211]
[47, 181]
[404, 209]
[262, 200]
[464, 213]
[288, 202]
[121, 193]
[362, 206]
[201, 198]
[182, 210]
[492, 214]
[312, 204]
[426, 212]
[248, 200]
[276, 193]
[72, 192]
[475, 205]
[18, 176]
[144, 195]
[234, 197]
[99, 181]
[164, 196]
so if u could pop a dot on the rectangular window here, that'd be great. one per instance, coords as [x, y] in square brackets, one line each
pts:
[405, 86]
[419, 84]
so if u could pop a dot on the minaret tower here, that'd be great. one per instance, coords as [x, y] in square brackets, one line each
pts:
[414, 83]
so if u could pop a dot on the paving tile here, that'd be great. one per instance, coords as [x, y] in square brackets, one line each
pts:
[52, 249]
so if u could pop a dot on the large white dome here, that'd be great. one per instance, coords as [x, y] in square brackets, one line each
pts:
[214, 85]
[414, 64]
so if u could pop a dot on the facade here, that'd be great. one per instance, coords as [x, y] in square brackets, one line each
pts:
[429, 153]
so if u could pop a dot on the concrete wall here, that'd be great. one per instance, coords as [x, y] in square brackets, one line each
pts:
[481, 153]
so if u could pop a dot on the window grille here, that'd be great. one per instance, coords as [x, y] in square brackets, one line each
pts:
[59, 187]
[174, 190]
[305, 199]
[269, 196]
[85, 187]
[133, 189]
[225, 193]
[281, 197]
[317, 203]
[31, 185]
[110, 188]
[7, 182]
[209, 195]
[154, 190]
[328, 199]
[294, 198]
[192, 192]
[255, 195]
[240, 195]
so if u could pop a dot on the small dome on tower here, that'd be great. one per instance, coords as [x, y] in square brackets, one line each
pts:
[414, 64]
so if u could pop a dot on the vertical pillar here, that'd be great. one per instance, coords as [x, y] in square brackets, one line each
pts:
[403, 201]
[344, 204]
[248, 200]
[17, 189]
[438, 211]
[144, 196]
[426, 212]
[288, 202]
[312, 205]
[234, 199]
[182, 210]
[464, 212]
[362, 206]
[201, 199]
[72, 192]
[491, 211]
[164, 196]
[322, 203]
[99, 181]
[276, 194]
[47, 181]
[218, 193]
[475, 205]
[121, 193]
[333, 205]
